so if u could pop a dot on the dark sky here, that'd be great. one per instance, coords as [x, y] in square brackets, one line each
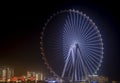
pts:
[21, 24]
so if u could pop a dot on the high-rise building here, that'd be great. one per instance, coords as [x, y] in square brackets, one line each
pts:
[30, 74]
[37, 76]
[6, 73]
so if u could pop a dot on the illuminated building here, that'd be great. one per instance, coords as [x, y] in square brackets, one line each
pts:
[114, 81]
[96, 78]
[34, 76]
[103, 79]
[39, 76]
[6, 73]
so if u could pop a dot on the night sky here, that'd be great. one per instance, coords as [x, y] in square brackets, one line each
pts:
[22, 22]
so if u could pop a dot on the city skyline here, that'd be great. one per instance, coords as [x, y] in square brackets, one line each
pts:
[21, 28]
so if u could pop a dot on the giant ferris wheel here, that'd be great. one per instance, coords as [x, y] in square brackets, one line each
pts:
[71, 45]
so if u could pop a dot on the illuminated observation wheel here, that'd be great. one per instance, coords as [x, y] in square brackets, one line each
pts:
[71, 45]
